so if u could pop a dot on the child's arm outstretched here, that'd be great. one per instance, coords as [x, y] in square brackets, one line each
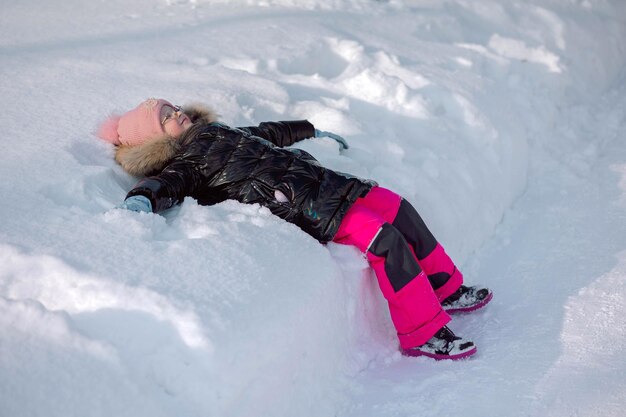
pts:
[282, 133]
[163, 191]
[287, 133]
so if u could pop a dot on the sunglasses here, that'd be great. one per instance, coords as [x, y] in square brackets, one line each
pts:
[171, 113]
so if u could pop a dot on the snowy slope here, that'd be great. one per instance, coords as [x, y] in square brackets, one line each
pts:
[499, 120]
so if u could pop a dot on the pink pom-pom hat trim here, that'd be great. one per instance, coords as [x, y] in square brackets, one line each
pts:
[108, 130]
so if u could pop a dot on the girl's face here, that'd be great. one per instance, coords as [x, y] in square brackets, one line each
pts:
[174, 121]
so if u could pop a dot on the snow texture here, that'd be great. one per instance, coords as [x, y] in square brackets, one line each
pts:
[501, 121]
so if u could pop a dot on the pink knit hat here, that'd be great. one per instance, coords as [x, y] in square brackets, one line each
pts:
[135, 126]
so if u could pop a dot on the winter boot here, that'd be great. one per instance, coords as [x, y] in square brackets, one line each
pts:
[467, 299]
[443, 345]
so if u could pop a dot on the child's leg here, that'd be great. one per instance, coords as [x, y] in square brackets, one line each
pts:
[443, 275]
[415, 309]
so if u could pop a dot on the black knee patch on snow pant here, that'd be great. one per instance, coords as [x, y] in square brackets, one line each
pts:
[400, 265]
[414, 230]
[410, 224]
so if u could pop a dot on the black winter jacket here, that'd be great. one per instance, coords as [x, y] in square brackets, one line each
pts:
[215, 162]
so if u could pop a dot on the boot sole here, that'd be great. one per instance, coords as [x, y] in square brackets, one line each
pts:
[471, 308]
[437, 356]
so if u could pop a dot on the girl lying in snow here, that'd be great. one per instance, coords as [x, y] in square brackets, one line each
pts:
[187, 152]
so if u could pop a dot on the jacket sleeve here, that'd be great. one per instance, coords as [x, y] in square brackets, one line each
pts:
[282, 133]
[177, 180]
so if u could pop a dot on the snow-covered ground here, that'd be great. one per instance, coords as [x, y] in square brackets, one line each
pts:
[501, 121]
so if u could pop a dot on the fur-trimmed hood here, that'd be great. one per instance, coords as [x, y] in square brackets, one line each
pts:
[153, 155]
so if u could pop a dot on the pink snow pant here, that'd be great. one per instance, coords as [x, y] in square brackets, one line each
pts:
[414, 272]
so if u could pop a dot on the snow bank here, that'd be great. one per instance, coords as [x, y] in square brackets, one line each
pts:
[227, 310]
[587, 378]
